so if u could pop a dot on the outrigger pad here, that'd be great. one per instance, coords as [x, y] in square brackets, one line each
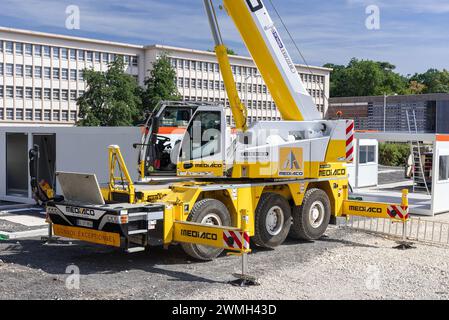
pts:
[55, 240]
[404, 245]
[244, 280]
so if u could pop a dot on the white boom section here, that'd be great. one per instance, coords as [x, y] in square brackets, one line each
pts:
[273, 60]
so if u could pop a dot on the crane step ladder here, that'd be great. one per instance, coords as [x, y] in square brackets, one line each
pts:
[420, 172]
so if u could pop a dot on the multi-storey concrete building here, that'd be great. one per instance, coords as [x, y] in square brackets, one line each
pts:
[41, 76]
[427, 113]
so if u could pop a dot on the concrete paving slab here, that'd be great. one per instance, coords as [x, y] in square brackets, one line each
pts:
[23, 234]
[26, 220]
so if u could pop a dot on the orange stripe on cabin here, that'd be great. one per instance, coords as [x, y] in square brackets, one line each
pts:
[442, 137]
[171, 130]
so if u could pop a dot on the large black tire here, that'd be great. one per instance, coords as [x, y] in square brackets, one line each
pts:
[207, 211]
[272, 220]
[311, 219]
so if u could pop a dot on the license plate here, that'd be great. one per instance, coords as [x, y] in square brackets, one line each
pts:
[84, 223]
[94, 236]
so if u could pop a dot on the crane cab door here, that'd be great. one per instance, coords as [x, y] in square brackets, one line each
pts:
[202, 152]
[161, 133]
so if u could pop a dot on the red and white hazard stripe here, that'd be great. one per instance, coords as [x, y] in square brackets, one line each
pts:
[349, 140]
[245, 240]
[398, 212]
[235, 240]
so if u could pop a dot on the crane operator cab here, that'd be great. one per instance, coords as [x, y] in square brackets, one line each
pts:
[162, 131]
[267, 149]
[201, 150]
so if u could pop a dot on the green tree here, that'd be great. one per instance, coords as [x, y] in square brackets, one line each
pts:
[161, 84]
[111, 99]
[365, 78]
[229, 50]
[435, 81]
[416, 87]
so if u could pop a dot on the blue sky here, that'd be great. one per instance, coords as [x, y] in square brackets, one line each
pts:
[413, 35]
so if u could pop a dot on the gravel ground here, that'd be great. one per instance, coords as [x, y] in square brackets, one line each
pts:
[342, 265]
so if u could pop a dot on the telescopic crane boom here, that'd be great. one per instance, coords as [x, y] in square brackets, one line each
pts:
[238, 109]
[271, 57]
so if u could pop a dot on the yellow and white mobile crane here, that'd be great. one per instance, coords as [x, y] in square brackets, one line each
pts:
[266, 181]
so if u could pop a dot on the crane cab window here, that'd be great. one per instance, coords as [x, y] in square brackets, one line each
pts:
[175, 117]
[203, 137]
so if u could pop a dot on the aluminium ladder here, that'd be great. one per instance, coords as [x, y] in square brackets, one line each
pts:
[419, 177]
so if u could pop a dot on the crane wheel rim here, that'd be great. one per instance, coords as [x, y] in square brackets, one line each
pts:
[212, 219]
[274, 220]
[316, 214]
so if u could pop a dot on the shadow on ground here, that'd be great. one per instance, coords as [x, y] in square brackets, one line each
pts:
[93, 259]
[96, 259]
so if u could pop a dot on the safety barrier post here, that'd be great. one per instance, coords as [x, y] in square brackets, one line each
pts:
[244, 279]
[404, 244]
[49, 239]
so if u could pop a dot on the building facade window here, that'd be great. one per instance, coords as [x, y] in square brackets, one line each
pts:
[19, 114]
[38, 72]
[56, 53]
[47, 73]
[38, 93]
[47, 52]
[56, 94]
[47, 93]
[64, 74]
[72, 54]
[9, 47]
[65, 95]
[73, 74]
[28, 49]
[9, 114]
[19, 70]
[38, 51]
[55, 73]
[29, 71]
[19, 92]
[29, 93]
[19, 49]
[38, 115]
[9, 92]
[29, 114]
